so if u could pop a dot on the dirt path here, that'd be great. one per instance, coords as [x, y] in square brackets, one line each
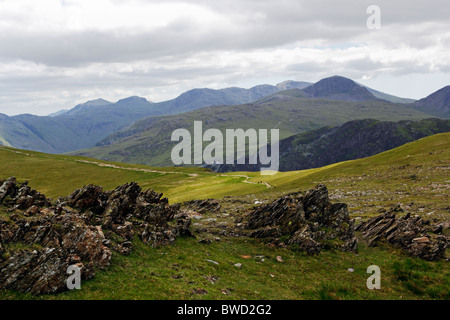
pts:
[108, 165]
[246, 179]
[100, 164]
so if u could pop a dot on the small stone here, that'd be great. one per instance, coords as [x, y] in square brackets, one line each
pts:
[421, 240]
[199, 291]
[238, 265]
[351, 270]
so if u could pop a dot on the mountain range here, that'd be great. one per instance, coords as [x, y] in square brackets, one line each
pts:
[294, 106]
[86, 124]
[148, 141]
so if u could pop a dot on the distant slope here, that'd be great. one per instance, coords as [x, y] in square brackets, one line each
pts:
[353, 140]
[437, 103]
[388, 97]
[33, 132]
[148, 140]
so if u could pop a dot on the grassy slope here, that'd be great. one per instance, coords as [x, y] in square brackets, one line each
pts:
[172, 272]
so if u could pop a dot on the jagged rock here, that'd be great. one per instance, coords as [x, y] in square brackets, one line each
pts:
[266, 232]
[116, 208]
[441, 227]
[287, 213]
[183, 224]
[304, 239]
[8, 188]
[32, 211]
[311, 222]
[27, 197]
[81, 236]
[410, 233]
[38, 272]
[123, 248]
[157, 237]
[89, 197]
[66, 240]
[21, 197]
[203, 206]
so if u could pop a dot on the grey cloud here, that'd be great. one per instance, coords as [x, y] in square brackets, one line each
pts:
[85, 61]
[282, 23]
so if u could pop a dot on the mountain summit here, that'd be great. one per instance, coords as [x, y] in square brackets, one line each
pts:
[437, 103]
[86, 106]
[339, 88]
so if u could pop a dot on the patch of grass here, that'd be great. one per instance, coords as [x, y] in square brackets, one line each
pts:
[174, 272]
[423, 279]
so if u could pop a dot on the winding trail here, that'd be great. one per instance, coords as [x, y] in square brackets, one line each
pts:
[100, 164]
[109, 165]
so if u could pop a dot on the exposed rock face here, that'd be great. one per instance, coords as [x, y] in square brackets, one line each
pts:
[310, 221]
[66, 239]
[203, 206]
[21, 197]
[411, 234]
[81, 230]
[126, 210]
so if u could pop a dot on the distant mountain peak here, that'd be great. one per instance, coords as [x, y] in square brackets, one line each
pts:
[339, 88]
[437, 103]
[134, 99]
[291, 84]
[87, 105]
[96, 102]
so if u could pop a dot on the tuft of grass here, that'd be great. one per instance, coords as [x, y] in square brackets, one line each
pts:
[422, 278]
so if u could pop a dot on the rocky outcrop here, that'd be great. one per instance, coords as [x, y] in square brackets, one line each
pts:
[51, 242]
[307, 220]
[203, 206]
[128, 210]
[21, 197]
[410, 233]
[38, 242]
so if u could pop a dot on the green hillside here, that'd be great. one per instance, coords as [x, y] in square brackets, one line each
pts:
[58, 175]
[414, 176]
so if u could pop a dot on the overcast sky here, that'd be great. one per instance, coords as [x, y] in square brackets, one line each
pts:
[56, 54]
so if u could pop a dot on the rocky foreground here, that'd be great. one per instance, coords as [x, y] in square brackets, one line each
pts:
[308, 221]
[81, 230]
[40, 239]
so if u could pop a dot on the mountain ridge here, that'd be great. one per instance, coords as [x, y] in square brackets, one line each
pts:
[353, 140]
[148, 141]
[88, 124]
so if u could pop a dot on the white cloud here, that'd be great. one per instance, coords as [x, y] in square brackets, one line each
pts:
[55, 54]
